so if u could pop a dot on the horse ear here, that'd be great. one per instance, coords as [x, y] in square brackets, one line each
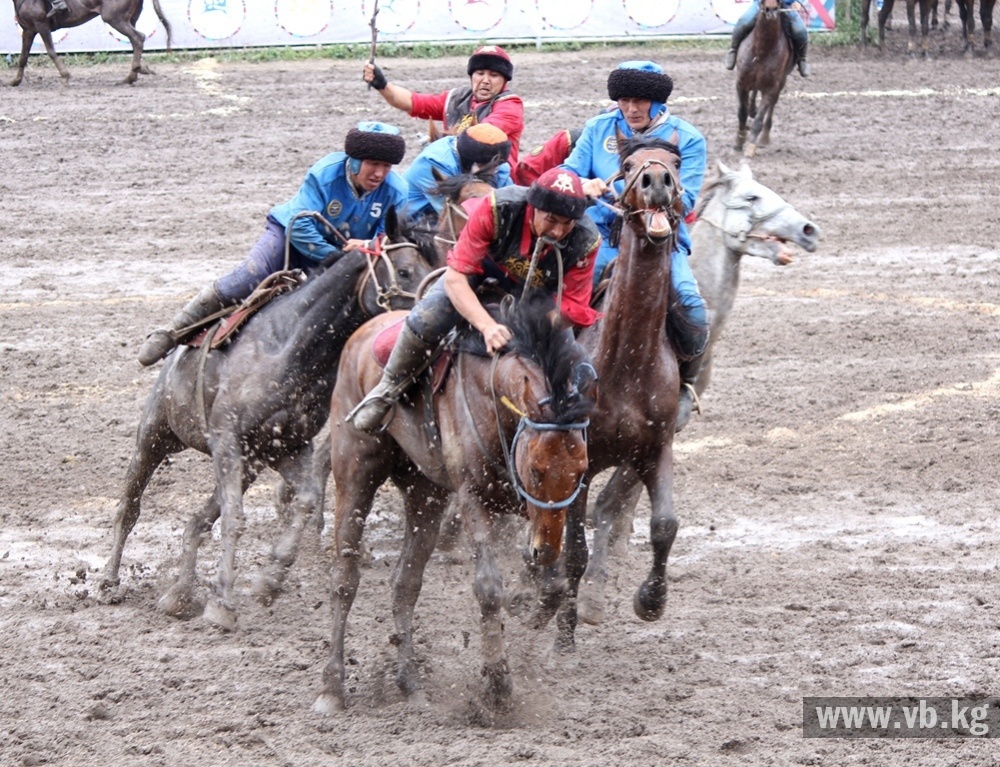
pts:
[620, 142]
[745, 169]
[724, 170]
[392, 223]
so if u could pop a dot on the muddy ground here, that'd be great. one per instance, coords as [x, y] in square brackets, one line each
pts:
[837, 499]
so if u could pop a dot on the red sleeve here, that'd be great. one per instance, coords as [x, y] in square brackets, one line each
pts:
[429, 106]
[470, 250]
[550, 154]
[508, 115]
[578, 286]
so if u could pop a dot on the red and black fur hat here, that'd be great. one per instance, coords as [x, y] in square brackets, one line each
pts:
[560, 192]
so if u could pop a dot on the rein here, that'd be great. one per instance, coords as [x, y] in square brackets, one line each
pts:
[380, 252]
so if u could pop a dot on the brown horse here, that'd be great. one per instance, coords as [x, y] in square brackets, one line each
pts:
[886, 12]
[504, 435]
[120, 15]
[257, 403]
[763, 62]
[633, 422]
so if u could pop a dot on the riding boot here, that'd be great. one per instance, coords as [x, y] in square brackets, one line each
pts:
[409, 358]
[801, 49]
[739, 34]
[688, 400]
[159, 343]
[58, 6]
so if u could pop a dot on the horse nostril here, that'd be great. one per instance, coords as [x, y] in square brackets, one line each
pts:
[809, 230]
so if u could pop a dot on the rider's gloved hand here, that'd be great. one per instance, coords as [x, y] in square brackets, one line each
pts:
[375, 77]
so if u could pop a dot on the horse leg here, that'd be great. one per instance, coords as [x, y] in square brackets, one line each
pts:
[357, 481]
[302, 497]
[233, 474]
[27, 38]
[50, 49]
[650, 598]
[488, 589]
[911, 19]
[883, 19]
[986, 16]
[575, 557]
[613, 511]
[154, 441]
[424, 503]
[865, 16]
[750, 151]
[765, 135]
[925, 43]
[179, 600]
[741, 130]
[137, 39]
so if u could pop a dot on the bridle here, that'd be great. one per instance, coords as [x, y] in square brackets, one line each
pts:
[747, 222]
[625, 211]
[377, 251]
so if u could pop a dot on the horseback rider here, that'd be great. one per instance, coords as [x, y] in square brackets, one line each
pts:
[497, 244]
[353, 190]
[792, 22]
[641, 90]
[468, 152]
[58, 6]
[485, 100]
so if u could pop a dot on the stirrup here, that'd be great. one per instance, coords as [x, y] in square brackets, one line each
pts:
[695, 400]
[377, 400]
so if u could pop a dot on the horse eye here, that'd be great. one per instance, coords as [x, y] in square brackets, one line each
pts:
[752, 198]
[404, 274]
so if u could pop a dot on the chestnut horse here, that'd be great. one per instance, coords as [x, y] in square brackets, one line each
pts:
[120, 15]
[503, 435]
[255, 403]
[965, 12]
[763, 62]
[633, 421]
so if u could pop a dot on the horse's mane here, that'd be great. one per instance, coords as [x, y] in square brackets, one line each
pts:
[707, 192]
[548, 345]
[451, 187]
[421, 231]
[339, 273]
[632, 145]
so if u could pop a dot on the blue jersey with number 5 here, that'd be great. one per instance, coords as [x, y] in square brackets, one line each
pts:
[327, 191]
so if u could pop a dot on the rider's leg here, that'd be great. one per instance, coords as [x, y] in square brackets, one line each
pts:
[740, 31]
[800, 39]
[162, 340]
[688, 328]
[428, 322]
[266, 257]
[58, 6]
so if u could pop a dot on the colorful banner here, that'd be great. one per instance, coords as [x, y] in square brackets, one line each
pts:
[249, 23]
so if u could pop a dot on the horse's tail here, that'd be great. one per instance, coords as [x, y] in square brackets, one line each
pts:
[164, 22]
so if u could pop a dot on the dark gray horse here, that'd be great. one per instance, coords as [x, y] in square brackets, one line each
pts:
[120, 15]
[258, 403]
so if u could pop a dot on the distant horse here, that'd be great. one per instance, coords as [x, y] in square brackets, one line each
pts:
[965, 12]
[737, 216]
[504, 435]
[258, 403]
[639, 384]
[763, 62]
[883, 15]
[120, 15]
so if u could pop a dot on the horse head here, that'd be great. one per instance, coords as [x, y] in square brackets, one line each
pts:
[548, 454]
[651, 200]
[397, 266]
[457, 190]
[754, 220]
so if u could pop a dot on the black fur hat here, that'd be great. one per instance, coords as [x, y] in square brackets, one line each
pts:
[375, 141]
[558, 191]
[494, 58]
[639, 80]
[479, 144]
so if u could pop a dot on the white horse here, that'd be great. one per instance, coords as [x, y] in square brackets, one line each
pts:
[736, 216]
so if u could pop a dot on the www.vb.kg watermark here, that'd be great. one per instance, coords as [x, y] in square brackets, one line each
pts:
[901, 717]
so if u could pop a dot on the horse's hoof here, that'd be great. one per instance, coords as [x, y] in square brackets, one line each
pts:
[750, 152]
[267, 586]
[590, 604]
[179, 602]
[219, 615]
[499, 687]
[650, 602]
[565, 643]
[328, 704]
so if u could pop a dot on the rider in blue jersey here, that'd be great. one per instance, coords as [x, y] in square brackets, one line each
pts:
[451, 156]
[641, 90]
[793, 24]
[353, 190]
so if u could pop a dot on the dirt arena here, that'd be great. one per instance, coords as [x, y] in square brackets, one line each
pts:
[838, 521]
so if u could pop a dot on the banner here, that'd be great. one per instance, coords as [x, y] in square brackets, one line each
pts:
[253, 23]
